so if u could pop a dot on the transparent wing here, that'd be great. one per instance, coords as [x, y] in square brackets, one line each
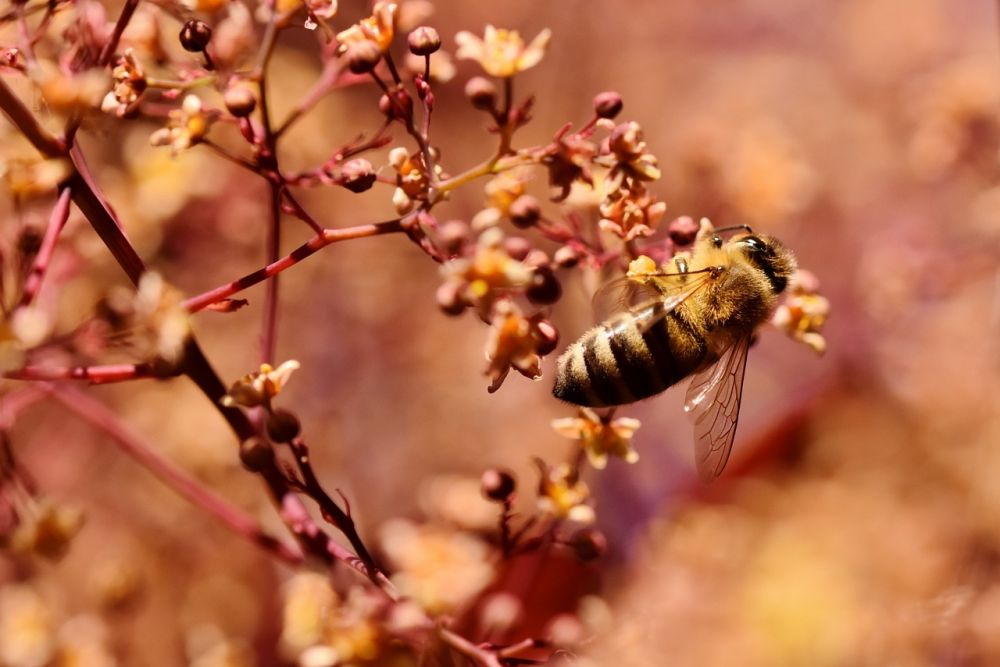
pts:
[653, 295]
[713, 404]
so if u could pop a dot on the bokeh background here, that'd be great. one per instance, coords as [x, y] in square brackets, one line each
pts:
[859, 521]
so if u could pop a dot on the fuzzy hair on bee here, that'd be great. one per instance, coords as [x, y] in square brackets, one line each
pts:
[695, 320]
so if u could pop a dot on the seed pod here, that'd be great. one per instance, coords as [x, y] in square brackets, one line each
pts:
[525, 211]
[283, 426]
[498, 485]
[517, 247]
[256, 454]
[546, 337]
[588, 544]
[683, 230]
[240, 100]
[608, 104]
[363, 56]
[449, 298]
[195, 36]
[566, 257]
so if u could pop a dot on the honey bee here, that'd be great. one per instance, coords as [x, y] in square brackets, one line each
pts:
[697, 321]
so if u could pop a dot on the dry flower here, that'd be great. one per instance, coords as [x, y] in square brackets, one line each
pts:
[630, 213]
[128, 84]
[600, 437]
[377, 28]
[440, 568]
[259, 387]
[512, 344]
[562, 494]
[186, 126]
[568, 162]
[47, 530]
[502, 53]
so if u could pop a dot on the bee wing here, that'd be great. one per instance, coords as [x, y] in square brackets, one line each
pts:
[656, 293]
[713, 404]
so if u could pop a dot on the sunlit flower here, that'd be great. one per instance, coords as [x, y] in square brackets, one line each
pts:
[628, 158]
[803, 312]
[501, 191]
[600, 437]
[27, 628]
[309, 600]
[70, 93]
[185, 127]
[159, 309]
[502, 53]
[128, 84]
[440, 568]
[84, 642]
[562, 494]
[377, 28]
[31, 175]
[259, 387]
[489, 270]
[512, 344]
[630, 213]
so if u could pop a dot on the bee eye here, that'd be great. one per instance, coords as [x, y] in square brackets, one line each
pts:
[717, 241]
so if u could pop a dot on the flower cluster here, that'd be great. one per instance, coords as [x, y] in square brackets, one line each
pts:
[629, 210]
[803, 312]
[185, 127]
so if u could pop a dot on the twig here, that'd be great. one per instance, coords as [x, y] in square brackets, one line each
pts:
[482, 656]
[329, 236]
[57, 220]
[123, 19]
[93, 374]
[100, 416]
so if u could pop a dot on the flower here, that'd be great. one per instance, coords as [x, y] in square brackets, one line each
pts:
[562, 494]
[324, 9]
[47, 530]
[186, 126]
[377, 28]
[630, 213]
[501, 191]
[600, 437]
[502, 53]
[258, 388]
[512, 344]
[128, 84]
[491, 269]
[159, 309]
[568, 162]
[803, 312]
[440, 568]
[628, 158]
[27, 627]
[70, 93]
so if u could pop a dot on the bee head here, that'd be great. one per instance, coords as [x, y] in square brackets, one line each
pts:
[770, 256]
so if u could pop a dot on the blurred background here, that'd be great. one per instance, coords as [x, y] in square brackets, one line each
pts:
[859, 520]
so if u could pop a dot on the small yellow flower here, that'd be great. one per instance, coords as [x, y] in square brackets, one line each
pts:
[502, 53]
[185, 127]
[260, 387]
[31, 175]
[159, 309]
[804, 312]
[630, 213]
[129, 82]
[482, 277]
[377, 28]
[47, 530]
[600, 437]
[562, 494]
[512, 344]
[69, 93]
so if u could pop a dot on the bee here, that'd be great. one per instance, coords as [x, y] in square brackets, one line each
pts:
[696, 321]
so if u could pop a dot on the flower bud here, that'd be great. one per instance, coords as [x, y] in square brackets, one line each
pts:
[453, 235]
[537, 258]
[357, 175]
[683, 230]
[588, 544]
[546, 337]
[607, 104]
[195, 36]
[424, 41]
[363, 56]
[283, 426]
[449, 298]
[498, 485]
[566, 257]
[482, 93]
[256, 453]
[240, 100]
[524, 211]
[545, 288]
[517, 247]
[29, 241]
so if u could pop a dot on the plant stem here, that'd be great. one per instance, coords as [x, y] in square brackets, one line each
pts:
[93, 374]
[57, 220]
[100, 416]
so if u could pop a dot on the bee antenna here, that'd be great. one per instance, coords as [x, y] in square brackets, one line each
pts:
[733, 228]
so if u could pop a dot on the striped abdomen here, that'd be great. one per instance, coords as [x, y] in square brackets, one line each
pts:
[625, 359]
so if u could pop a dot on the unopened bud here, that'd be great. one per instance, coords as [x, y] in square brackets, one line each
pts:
[481, 92]
[546, 337]
[545, 287]
[363, 56]
[449, 298]
[517, 247]
[607, 104]
[240, 100]
[283, 426]
[195, 36]
[256, 453]
[357, 175]
[588, 544]
[424, 41]
[498, 485]
[683, 230]
[566, 257]
[536, 258]
[525, 211]
[453, 235]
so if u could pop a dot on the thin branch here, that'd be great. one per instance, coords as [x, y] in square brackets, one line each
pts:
[269, 330]
[100, 416]
[481, 656]
[123, 19]
[92, 374]
[29, 126]
[57, 220]
[328, 237]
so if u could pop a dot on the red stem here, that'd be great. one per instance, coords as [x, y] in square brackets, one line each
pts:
[100, 416]
[328, 237]
[93, 374]
[57, 220]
